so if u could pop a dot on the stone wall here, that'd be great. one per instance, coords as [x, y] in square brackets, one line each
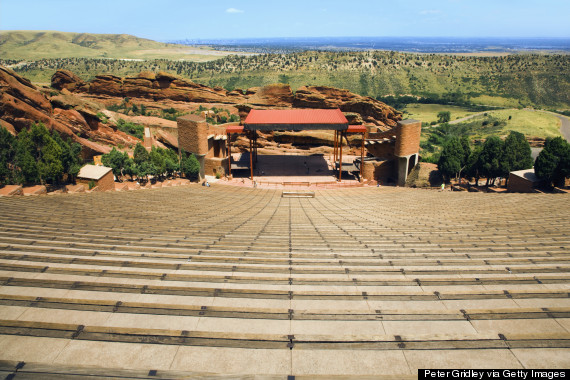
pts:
[517, 184]
[407, 138]
[214, 165]
[193, 134]
[384, 150]
[106, 183]
[379, 171]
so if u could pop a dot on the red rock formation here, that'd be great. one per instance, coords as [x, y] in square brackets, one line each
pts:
[22, 104]
[274, 95]
[66, 79]
[370, 109]
[164, 86]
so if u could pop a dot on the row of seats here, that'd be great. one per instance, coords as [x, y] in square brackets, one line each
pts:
[226, 280]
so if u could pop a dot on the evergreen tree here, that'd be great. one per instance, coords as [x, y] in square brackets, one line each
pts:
[553, 162]
[158, 160]
[516, 154]
[474, 164]
[147, 168]
[25, 159]
[7, 156]
[50, 166]
[491, 157]
[130, 168]
[70, 155]
[115, 160]
[451, 158]
[140, 154]
[466, 150]
[190, 166]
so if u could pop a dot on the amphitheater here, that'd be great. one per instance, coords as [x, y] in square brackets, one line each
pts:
[226, 282]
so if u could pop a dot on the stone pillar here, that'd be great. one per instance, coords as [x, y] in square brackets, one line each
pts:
[193, 138]
[402, 170]
[193, 134]
[407, 146]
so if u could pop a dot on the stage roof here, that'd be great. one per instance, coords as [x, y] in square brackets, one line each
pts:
[295, 120]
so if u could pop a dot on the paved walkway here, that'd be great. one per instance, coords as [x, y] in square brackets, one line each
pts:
[232, 281]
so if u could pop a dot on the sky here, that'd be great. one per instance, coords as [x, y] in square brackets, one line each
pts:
[167, 20]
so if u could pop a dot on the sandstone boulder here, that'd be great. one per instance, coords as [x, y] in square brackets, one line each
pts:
[274, 95]
[65, 79]
[370, 109]
[107, 85]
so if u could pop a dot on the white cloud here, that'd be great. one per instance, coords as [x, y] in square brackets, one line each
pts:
[430, 12]
[233, 10]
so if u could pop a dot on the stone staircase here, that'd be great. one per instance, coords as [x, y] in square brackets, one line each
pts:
[226, 282]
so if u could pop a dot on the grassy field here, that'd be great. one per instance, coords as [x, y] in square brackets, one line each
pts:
[533, 124]
[528, 122]
[427, 113]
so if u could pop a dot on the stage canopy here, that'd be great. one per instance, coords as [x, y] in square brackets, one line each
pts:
[295, 120]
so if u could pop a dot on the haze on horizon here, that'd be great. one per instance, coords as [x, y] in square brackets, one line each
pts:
[225, 19]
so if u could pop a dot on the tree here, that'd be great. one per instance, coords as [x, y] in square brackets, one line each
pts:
[553, 162]
[7, 156]
[451, 158]
[140, 154]
[190, 166]
[146, 168]
[466, 149]
[516, 154]
[115, 160]
[158, 160]
[25, 160]
[490, 157]
[443, 117]
[130, 168]
[474, 164]
[50, 166]
[70, 155]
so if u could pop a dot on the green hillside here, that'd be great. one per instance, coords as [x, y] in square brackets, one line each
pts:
[515, 80]
[35, 45]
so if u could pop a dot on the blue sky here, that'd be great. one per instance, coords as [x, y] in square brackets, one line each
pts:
[207, 19]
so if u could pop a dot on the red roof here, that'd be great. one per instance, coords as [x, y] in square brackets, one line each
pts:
[356, 129]
[295, 117]
[234, 129]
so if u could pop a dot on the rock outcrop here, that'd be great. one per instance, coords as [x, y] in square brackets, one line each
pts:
[68, 80]
[22, 104]
[164, 86]
[369, 109]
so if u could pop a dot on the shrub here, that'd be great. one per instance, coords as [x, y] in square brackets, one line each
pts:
[132, 129]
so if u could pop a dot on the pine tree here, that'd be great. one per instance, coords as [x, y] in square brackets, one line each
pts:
[140, 154]
[25, 159]
[7, 156]
[553, 162]
[115, 160]
[491, 157]
[516, 154]
[451, 158]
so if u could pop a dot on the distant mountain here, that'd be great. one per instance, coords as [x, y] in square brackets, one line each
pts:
[34, 45]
